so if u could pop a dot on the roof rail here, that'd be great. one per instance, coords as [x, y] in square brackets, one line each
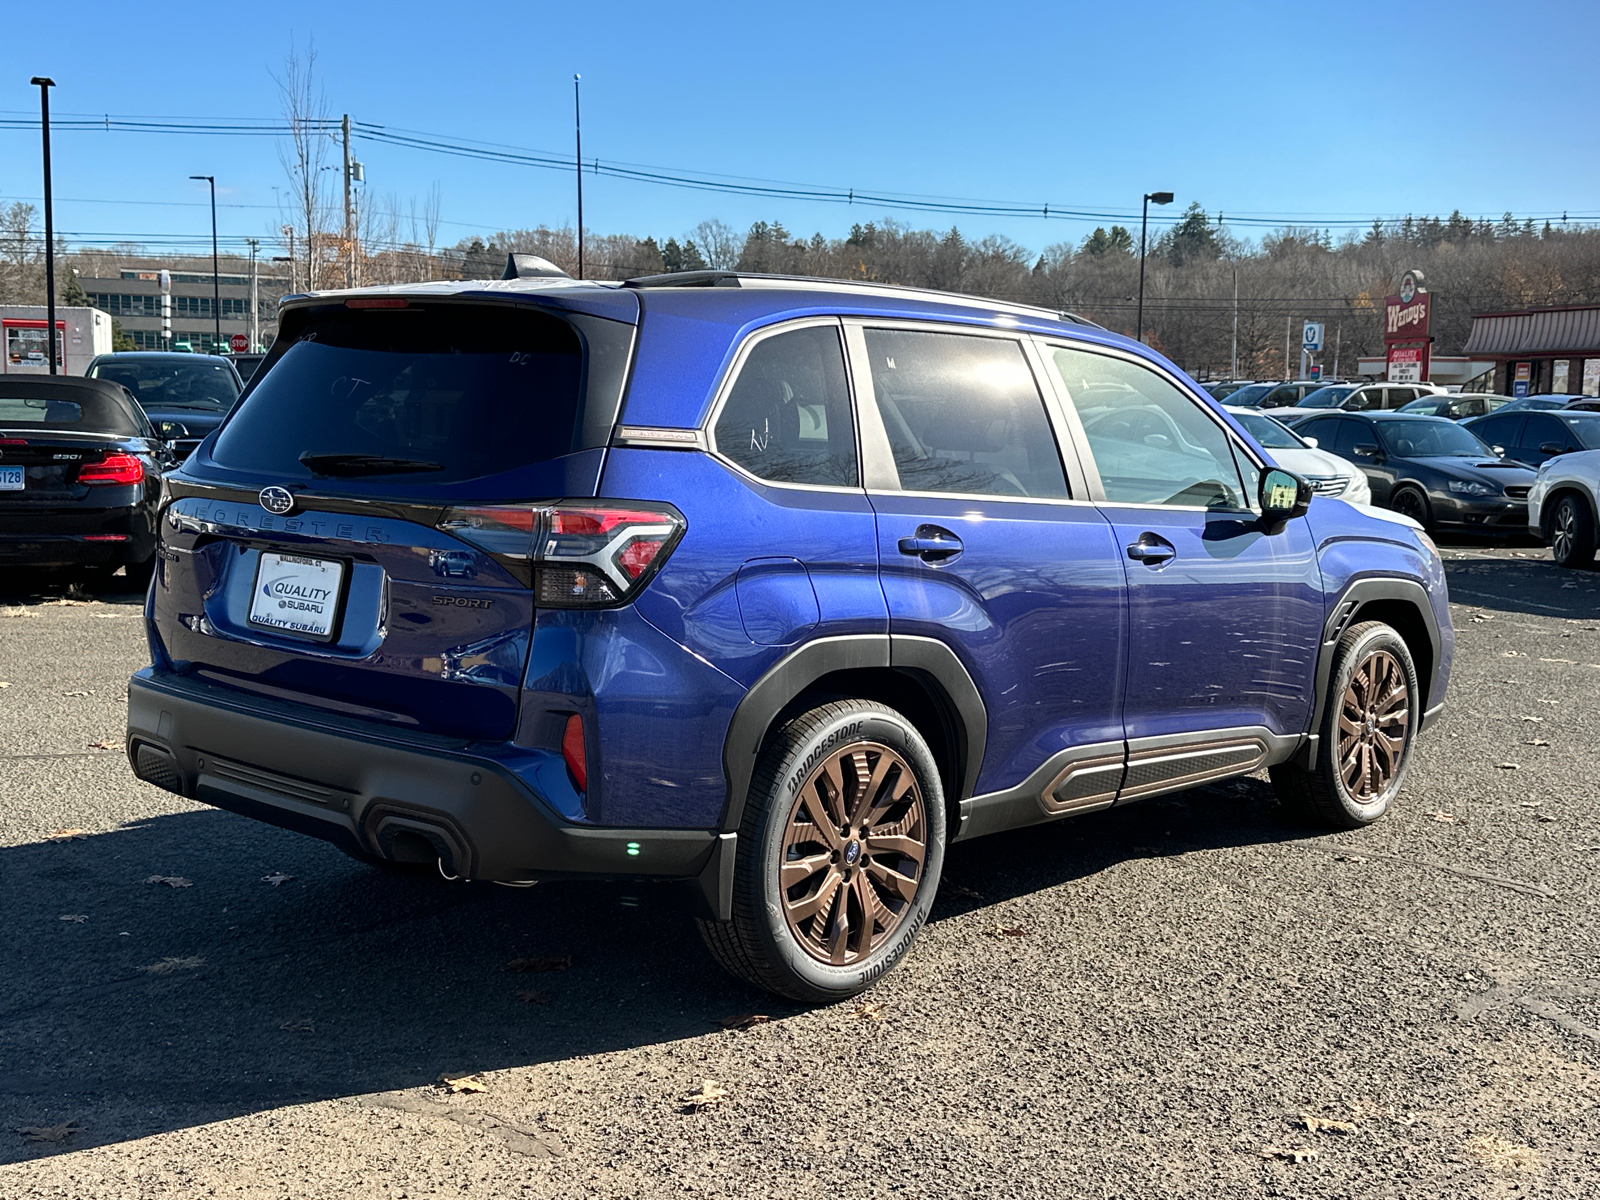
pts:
[683, 279]
[531, 266]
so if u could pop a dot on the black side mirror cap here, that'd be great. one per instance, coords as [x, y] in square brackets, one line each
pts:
[1367, 451]
[171, 431]
[1552, 448]
[1283, 496]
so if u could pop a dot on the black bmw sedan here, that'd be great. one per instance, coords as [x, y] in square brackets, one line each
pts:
[187, 394]
[1429, 468]
[80, 476]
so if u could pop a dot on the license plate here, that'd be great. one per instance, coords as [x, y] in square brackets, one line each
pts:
[297, 595]
[11, 479]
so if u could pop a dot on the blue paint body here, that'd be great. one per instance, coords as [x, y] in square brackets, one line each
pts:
[1067, 640]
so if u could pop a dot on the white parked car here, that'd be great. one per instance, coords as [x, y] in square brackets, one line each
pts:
[1564, 506]
[1358, 397]
[1329, 474]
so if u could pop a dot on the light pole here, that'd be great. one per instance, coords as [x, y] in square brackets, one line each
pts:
[1144, 221]
[577, 134]
[216, 281]
[44, 84]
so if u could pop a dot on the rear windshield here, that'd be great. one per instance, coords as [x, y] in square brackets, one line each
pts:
[87, 412]
[204, 385]
[432, 393]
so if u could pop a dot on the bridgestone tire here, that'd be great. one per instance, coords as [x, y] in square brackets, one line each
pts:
[1323, 794]
[1572, 541]
[760, 945]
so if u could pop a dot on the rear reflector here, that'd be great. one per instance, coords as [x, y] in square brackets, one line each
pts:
[377, 302]
[114, 468]
[573, 752]
[105, 537]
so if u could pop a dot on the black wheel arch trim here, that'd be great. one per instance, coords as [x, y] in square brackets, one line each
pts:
[811, 661]
[1342, 614]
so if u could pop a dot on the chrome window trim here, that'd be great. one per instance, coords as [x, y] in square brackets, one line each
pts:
[869, 421]
[1252, 503]
[659, 437]
[730, 378]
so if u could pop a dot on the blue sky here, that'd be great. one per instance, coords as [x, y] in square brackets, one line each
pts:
[1309, 112]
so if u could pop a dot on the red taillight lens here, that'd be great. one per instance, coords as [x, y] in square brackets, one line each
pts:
[574, 754]
[114, 468]
[378, 302]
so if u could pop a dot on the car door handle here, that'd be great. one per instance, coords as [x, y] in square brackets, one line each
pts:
[931, 544]
[1151, 550]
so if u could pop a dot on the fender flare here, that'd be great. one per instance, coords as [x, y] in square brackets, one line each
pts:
[1342, 614]
[809, 662]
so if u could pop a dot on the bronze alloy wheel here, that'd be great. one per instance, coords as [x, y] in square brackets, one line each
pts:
[1374, 719]
[853, 853]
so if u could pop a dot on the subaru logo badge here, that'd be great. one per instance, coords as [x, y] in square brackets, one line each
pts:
[277, 500]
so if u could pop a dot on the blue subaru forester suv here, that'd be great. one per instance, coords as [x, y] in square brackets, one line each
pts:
[777, 586]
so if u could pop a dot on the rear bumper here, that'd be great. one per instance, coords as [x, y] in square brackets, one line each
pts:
[386, 796]
[72, 550]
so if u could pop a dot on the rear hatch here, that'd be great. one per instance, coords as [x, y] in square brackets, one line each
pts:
[344, 542]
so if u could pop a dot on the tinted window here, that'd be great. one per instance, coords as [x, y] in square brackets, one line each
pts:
[1250, 395]
[788, 416]
[1430, 437]
[29, 406]
[1339, 435]
[456, 391]
[1268, 432]
[203, 384]
[1499, 431]
[1586, 431]
[1539, 430]
[963, 414]
[1155, 445]
[1326, 397]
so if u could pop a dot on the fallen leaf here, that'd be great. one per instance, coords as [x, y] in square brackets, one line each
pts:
[1536, 742]
[710, 1095]
[305, 1025]
[67, 835]
[533, 996]
[743, 1020]
[1510, 654]
[1530, 803]
[1497, 1153]
[4, 685]
[1544, 818]
[76, 918]
[54, 1134]
[172, 881]
[550, 962]
[463, 1083]
[276, 878]
[77, 693]
[1295, 1154]
[1508, 766]
[1535, 720]
[966, 893]
[868, 1010]
[1349, 858]
[1008, 931]
[1324, 1125]
[104, 745]
[168, 965]
[1444, 818]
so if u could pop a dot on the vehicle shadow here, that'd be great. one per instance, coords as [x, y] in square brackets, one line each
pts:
[1523, 585]
[134, 1006]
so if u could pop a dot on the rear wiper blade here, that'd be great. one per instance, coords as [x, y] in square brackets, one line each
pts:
[364, 464]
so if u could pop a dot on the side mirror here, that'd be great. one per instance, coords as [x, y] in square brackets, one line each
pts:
[1367, 451]
[1550, 448]
[1499, 450]
[171, 431]
[1284, 496]
[1310, 441]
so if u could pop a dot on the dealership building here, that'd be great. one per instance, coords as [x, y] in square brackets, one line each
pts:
[1539, 351]
[177, 311]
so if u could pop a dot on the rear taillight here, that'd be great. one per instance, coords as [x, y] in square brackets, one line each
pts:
[114, 468]
[575, 555]
[574, 754]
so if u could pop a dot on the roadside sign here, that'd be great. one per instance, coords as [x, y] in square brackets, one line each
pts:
[1311, 336]
[238, 343]
[1405, 364]
[1522, 381]
[1315, 372]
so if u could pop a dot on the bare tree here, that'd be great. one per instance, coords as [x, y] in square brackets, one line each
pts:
[305, 107]
[21, 256]
[719, 245]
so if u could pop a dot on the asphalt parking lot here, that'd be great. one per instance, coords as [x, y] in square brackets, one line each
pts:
[1190, 997]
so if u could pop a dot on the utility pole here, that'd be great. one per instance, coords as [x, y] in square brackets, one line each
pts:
[1288, 326]
[1338, 336]
[1234, 368]
[255, 304]
[577, 133]
[349, 233]
[44, 84]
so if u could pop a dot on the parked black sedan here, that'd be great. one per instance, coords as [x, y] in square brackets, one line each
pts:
[1532, 437]
[192, 390]
[80, 476]
[1429, 468]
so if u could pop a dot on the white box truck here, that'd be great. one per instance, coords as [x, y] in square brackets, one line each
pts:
[81, 333]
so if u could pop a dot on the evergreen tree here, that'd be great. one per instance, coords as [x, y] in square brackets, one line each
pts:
[1192, 239]
[693, 260]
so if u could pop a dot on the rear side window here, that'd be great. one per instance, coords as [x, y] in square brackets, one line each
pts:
[787, 418]
[435, 393]
[85, 412]
[963, 415]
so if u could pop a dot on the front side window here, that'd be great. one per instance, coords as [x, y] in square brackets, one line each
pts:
[1151, 443]
[787, 418]
[963, 415]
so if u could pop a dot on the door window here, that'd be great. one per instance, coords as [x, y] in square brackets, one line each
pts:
[787, 418]
[1500, 431]
[963, 415]
[1151, 443]
[1539, 430]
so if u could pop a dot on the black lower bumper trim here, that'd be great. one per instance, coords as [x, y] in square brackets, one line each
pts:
[378, 796]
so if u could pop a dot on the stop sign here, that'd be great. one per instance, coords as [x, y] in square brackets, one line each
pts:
[238, 343]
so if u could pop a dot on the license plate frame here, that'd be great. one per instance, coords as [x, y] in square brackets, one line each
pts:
[288, 584]
[13, 478]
